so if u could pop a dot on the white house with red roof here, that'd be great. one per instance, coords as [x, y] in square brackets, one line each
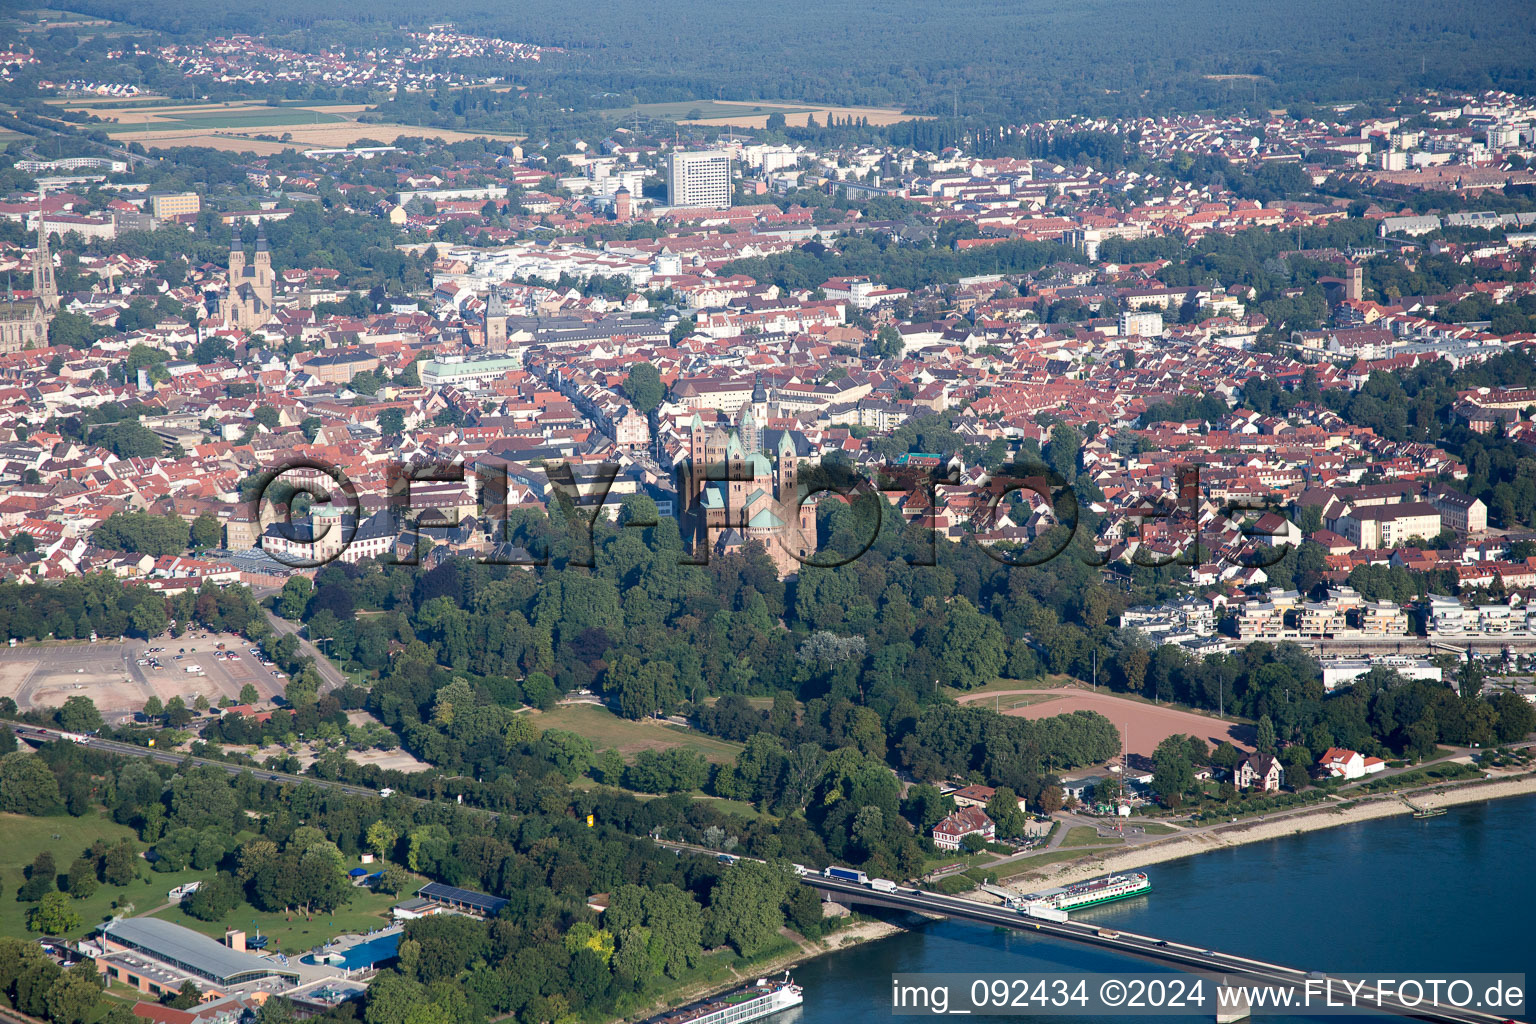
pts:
[1349, 764]
[967, 821]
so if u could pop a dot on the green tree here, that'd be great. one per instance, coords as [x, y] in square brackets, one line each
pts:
[72, 998]
[80, 880]
[206, 531]
[391, 422]
[143, 533]
[969, 647]
[747, 905]
[26, 785]
[1264, 736]
[1173, 770]
[294, 598]
[53, 916]
[1004, 811]
[382, 839]
[188, 996]
[78, 714]
[214, 898]
[644, 388]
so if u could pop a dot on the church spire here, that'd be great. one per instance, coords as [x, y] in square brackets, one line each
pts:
[44, 288]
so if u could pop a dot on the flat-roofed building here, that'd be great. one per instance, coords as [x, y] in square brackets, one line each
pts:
[700, 179]
[154, 955]
[170, 205]
[467, 900]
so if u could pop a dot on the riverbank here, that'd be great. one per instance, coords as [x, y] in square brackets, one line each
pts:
[1380, 805]
[855, 934]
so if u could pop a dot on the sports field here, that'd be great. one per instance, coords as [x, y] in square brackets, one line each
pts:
[1144, 726]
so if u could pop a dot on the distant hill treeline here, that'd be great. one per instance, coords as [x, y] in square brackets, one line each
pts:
[1016, 59]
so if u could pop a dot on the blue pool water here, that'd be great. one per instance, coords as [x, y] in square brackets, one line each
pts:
[373, 953]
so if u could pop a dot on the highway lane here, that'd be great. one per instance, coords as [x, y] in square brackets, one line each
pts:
[37, 734]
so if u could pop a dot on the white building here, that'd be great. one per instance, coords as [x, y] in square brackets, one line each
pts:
[1135, 324]
[1339, 672]
[699, 179]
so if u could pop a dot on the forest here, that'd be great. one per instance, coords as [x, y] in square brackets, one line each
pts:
[547, 956]
[980, 63]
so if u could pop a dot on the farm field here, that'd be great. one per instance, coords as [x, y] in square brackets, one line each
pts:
[233, 126]
[755, 113]
[1144, 726]
[608, 731]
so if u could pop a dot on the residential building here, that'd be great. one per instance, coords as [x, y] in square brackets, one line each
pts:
[1349, 764]
[1135, 324]
[1390, 526]
[1261, 771]
[700, 179]
[1460, 512]
[170, 205]
[967, 821]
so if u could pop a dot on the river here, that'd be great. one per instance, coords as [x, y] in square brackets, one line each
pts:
[1451, 893]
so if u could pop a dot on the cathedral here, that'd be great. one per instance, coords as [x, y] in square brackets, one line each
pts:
[247, 304]
[24, 325]
[735, 494]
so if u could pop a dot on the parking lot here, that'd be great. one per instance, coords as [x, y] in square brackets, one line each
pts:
[108, 672]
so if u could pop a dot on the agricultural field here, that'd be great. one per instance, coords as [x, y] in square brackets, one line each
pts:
[755, 114]
[235, 126]
[608, 731]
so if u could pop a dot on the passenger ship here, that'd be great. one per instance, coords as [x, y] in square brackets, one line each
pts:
[747, 1004]
[1093, 892]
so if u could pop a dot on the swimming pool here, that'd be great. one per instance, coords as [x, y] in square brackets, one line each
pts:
[373, 953]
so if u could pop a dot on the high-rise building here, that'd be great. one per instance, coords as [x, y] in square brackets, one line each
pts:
[700, 179]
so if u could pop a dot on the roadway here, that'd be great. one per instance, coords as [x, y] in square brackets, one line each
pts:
[37, 734]
[1146, 947]
[331, 675]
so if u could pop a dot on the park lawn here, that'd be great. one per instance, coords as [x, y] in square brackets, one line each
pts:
[739, 807]
[1085, 835]
[1153, 828]
[608, 731]
[26, 837]
[1030, 864]
[294, 933]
